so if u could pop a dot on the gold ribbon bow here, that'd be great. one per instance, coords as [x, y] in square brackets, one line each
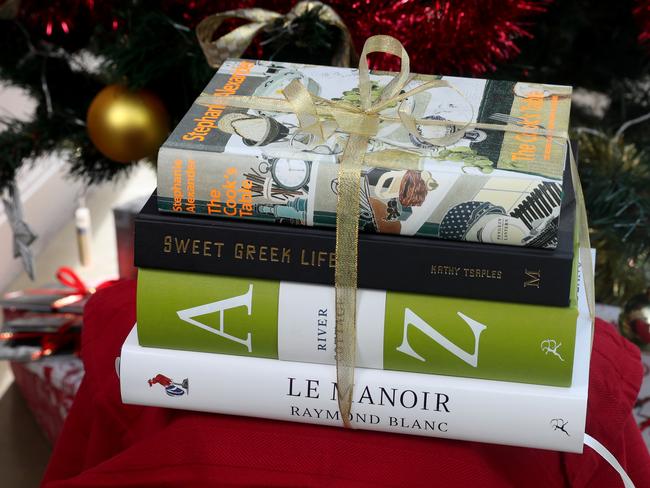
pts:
[320, 117]
[233, 44]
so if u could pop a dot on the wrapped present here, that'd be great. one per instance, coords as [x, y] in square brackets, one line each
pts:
[44, 321]
[461, 166]
[31, 336]
[49, 387]
[68, 295]
[433, 156]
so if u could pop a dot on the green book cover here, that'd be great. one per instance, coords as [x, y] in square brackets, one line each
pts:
[397, 331]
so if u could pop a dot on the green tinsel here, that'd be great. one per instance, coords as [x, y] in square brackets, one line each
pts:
[616, 182]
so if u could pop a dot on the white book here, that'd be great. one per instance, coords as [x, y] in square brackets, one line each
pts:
[498, 412]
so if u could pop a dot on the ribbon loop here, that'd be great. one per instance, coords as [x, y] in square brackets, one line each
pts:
[234, 43]
[389, 45]
[303, 106]
[69, 278]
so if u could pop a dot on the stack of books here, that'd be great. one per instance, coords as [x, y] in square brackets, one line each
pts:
[471, 321]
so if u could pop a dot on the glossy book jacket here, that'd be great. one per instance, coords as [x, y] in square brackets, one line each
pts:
[491, 186]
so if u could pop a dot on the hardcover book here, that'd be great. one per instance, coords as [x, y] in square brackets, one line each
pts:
[546, 417]
[397, 331]
[491, 186]
[307, 254]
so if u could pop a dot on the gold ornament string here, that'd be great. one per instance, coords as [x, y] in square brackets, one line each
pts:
[321, 117]
[234, 43]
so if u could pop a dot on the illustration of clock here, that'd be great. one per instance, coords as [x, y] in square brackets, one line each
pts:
[289, 174]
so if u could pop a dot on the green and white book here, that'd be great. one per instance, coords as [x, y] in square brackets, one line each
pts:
[395, 331]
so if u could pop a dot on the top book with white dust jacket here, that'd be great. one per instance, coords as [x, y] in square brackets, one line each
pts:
[491, 186]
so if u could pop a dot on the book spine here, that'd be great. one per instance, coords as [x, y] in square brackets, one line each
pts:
[408, 403]
[403, 264]
[396, 331]
[243, 186]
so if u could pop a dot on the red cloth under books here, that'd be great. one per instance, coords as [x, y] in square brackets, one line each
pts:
[107, 444]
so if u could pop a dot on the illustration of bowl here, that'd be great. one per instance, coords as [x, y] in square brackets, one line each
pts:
[254, 130]
[279, 78]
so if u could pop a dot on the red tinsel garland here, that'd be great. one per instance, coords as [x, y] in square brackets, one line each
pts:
[442, 36]
[462, 36]
[642, 14]
[468, 36]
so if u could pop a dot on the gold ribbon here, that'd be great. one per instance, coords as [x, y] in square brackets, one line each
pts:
[321, 117]
[234, 43]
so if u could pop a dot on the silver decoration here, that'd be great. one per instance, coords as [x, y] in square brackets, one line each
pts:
[23, 235]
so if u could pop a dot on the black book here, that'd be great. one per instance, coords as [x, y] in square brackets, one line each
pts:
[399, 263]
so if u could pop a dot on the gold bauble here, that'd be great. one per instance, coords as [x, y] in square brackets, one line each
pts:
[126, 125]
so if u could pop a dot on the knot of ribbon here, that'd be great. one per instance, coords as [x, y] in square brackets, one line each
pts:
[234, 43]
[320, 118]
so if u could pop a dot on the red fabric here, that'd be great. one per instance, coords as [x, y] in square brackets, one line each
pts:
[107, 444]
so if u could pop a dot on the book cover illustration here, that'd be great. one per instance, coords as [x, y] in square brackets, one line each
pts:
[491, 186]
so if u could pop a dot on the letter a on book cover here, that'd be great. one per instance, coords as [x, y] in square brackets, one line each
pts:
[199, 312]
[220, 307]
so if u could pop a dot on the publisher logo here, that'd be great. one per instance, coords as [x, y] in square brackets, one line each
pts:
[560, 424]
[551, 346]
[171, 388]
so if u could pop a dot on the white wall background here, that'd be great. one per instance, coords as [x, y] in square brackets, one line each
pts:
[48, 196]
